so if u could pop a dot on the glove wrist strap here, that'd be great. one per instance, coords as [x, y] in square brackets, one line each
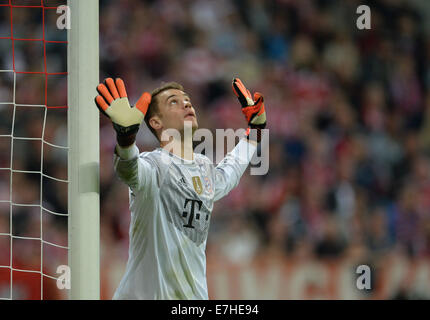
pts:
[126, 136]
[253, 134]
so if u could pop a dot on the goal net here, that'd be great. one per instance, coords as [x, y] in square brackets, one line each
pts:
[40, 232]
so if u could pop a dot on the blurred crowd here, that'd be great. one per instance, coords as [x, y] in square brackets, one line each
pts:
[348, 113]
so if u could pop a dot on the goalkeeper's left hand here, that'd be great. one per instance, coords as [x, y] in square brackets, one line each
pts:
[252, 108]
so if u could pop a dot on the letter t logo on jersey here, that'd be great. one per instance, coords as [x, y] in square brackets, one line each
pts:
[191, 216]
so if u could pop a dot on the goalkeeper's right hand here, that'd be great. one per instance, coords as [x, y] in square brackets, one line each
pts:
[112, 101]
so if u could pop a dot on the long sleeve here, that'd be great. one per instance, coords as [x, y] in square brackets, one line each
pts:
[231, 168]
[133, 170]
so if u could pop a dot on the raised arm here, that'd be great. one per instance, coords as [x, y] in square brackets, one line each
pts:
[113, 102]
[231, 168]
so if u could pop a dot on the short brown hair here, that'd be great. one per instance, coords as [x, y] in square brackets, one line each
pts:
[153, 106]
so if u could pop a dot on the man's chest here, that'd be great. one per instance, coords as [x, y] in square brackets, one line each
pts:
[187, 197]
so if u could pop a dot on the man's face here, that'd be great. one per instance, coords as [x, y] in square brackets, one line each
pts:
[175, 108]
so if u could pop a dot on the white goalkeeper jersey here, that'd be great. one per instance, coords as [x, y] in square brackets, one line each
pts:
[171, 201]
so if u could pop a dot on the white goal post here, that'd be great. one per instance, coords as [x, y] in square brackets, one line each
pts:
[83, 135]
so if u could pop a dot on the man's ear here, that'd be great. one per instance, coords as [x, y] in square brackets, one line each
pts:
[156, 123]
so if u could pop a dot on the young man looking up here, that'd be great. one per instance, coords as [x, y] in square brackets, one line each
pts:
[172, 189]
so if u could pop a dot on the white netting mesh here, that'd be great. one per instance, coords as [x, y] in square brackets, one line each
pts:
[33, 150]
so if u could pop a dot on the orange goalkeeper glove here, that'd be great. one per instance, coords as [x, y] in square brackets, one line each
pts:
[252, 108]
[113, 102]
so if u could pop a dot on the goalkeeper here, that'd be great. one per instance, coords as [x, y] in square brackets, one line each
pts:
[171, 201]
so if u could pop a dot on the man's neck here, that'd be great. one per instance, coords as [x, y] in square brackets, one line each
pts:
[181, 148]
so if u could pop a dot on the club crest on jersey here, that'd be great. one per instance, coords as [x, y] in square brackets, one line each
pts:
[208, 184]
[197, 183]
